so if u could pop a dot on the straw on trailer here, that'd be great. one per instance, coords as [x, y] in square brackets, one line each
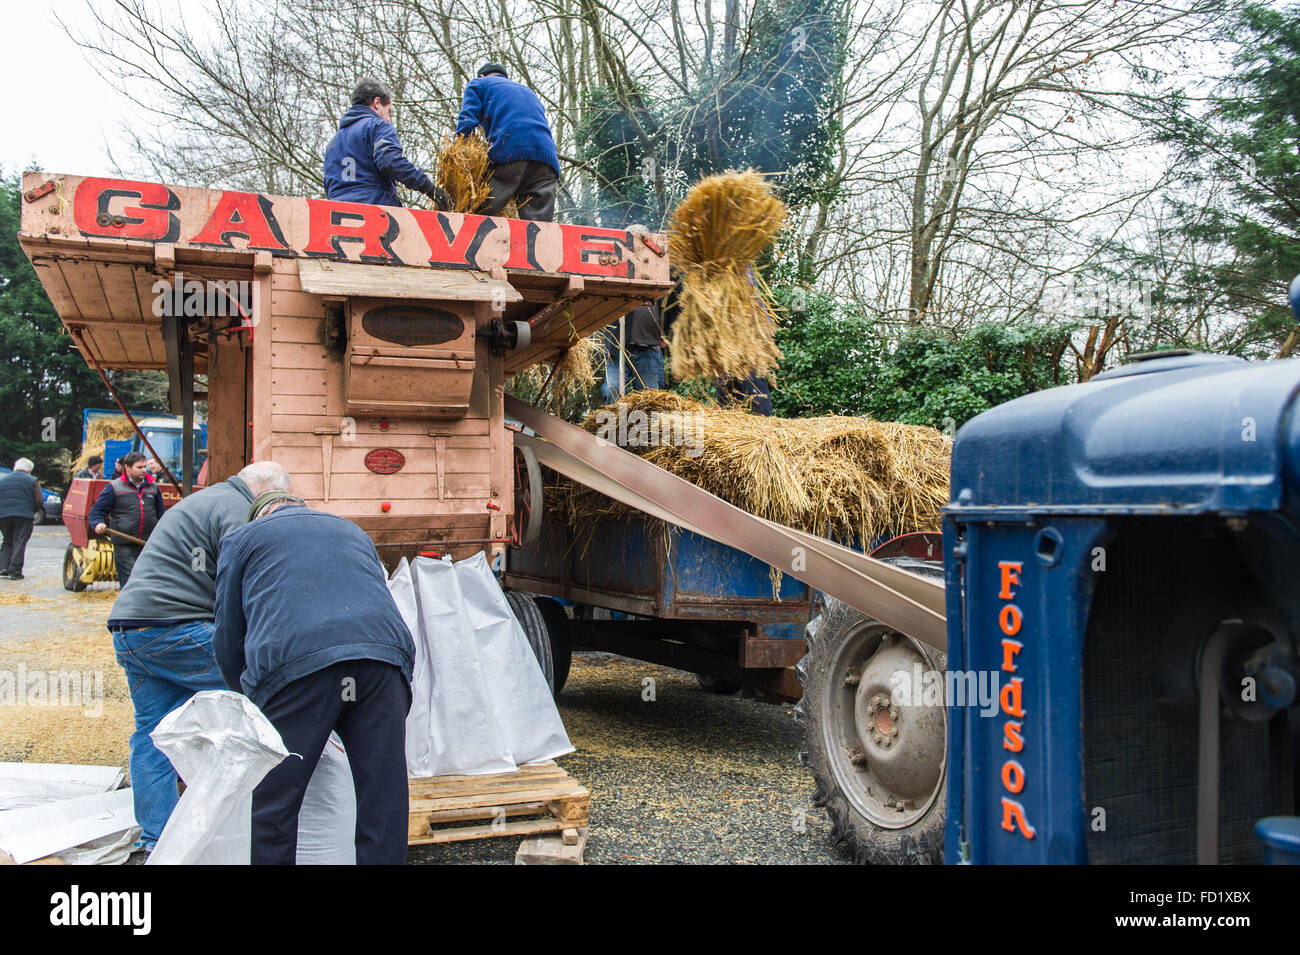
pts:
[853, 479]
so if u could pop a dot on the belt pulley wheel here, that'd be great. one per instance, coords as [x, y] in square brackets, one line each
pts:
[526, 526]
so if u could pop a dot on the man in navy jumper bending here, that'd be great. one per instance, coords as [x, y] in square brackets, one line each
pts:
[521, 148]
[307, 630]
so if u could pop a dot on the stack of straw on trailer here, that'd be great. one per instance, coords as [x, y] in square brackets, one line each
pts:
[101, 430]
[851, 479]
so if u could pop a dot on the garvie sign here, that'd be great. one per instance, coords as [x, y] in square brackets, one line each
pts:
[285, 226]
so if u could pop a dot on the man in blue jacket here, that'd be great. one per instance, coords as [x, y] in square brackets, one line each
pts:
[521, 147]
[364, 162]
[306, 628]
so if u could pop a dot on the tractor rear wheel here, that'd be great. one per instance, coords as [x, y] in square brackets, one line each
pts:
[72, 571]
[878, 764]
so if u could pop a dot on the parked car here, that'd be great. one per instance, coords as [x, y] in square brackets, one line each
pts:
[52, 513]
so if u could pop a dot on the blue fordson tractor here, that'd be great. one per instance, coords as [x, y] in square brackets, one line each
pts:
[1124, 555]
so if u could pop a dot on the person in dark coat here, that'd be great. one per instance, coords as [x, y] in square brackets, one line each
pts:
[307, 630]
[129, 504]
[365, 162]
[521, 146]
[20, 499]
[93, 469]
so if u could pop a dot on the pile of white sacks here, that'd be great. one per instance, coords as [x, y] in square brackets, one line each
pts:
[480, 704]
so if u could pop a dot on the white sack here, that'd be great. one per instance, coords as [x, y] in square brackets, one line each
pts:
[32, 784]
[450, 727]
[327, 822]
[521, 696]
[222, 746]
[480, 703]
[39, 831]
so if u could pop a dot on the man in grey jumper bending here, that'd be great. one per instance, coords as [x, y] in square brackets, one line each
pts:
[162, 625]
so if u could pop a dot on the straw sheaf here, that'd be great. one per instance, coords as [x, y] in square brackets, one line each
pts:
[852, 479]
[716, 235]
[463, 171]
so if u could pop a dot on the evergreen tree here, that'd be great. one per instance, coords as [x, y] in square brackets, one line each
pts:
[44, 381]
[1250, 140]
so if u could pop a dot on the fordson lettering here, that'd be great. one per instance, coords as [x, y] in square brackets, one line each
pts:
[1011, 698]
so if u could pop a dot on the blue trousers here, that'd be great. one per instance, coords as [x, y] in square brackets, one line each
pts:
[642, 368]
[164, 667]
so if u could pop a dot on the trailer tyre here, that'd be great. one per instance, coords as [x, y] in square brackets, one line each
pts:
[534, 624]
[879, 765]
[72, 571]
[557, 627]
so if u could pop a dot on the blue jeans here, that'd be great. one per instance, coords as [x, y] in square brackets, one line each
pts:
[164, 667]
[643, 368]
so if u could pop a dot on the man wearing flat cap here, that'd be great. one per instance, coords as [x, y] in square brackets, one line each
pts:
[521, 147]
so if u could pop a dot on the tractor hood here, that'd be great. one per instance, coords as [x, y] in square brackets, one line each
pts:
[1182, 433]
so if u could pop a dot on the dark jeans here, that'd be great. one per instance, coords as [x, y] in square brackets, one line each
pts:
[532, 184]
[124, 556]
[17, 532]
[366, 701]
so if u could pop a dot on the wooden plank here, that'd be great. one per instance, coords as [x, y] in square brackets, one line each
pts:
[540, 793]
[295, 329]
[297, 305]
[353, 278]
[298, 355]
[466, 485]
[121, 294]
[530, 827]
[299, 381]
[296, 404]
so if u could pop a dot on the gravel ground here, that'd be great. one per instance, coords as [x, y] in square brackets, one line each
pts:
[684, 777]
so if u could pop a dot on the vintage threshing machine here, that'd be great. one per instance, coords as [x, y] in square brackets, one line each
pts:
[363, 347]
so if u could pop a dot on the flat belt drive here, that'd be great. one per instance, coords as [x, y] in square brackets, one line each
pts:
[911, 604]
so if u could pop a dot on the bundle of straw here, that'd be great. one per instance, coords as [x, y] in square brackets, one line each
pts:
[717, 232]
[852, 479]
[463, 171]
[573, 372]
[100, 430]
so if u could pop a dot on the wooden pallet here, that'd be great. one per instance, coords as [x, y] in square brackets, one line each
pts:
[535, 799]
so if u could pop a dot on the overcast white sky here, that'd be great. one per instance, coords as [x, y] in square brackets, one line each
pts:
[55, 110]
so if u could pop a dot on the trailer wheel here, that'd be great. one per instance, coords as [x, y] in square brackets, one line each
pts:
[557, 627]
[530, 618]
[72, 571]
[878, 765]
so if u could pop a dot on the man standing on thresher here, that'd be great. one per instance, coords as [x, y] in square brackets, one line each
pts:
[162, 625]
[130, 505]
[521, 147]
[364, 162]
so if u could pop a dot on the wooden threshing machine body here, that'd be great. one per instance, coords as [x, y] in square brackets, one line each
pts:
[349, 342]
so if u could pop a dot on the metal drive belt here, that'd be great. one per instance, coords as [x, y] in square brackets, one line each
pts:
[911, 604]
